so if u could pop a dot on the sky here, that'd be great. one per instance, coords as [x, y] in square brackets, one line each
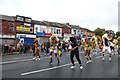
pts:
[89, 14]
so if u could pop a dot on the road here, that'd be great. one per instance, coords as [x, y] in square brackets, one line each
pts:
[23, 66]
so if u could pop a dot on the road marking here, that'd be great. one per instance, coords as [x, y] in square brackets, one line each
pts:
[8, 62]
[47, 69]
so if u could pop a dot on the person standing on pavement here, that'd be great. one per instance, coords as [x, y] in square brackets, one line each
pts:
[74, 51]
[5, 48]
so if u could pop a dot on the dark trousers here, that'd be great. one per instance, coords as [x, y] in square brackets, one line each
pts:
[76, 53]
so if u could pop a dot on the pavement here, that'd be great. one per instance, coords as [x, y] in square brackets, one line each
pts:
[23, 66]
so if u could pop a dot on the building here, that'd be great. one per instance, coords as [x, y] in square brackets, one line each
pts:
[7, 28]
[16, 28]
[24, 29]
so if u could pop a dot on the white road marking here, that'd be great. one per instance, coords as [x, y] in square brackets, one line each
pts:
[47, 69]
[6, 62]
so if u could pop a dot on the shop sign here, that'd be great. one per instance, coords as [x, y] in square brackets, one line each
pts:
[22, 29]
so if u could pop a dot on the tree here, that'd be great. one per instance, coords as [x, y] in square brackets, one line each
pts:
[99, 31]
[117, 33]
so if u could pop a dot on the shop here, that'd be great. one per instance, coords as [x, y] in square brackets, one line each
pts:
[27, 39]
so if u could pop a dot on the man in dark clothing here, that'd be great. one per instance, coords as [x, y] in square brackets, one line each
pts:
[47, 47]
[74, 51]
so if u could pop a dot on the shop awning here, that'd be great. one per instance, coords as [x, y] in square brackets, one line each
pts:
[48, 34]
[40, 34]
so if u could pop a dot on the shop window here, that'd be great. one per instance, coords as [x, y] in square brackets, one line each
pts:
[57, 31]
[75, 32]
[11, 26]
[36, 29]
[20, 18]
[27, 20]
[52, 31]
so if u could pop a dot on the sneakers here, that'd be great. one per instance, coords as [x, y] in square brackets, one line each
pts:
[90, 61]
[72, 67]
[103, 59]
[81, 67]
[34, 58]
[109, 58]
[38, 58]
[87, 62]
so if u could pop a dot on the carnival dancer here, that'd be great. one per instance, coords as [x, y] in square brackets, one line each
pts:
[106, 45]
[93, 42]
[112, 46]
[100, 44]
[59, 48]
[82, 48]
[74, 51]
[118, 44]
[36, 45]
[87, 50]
[53, 47]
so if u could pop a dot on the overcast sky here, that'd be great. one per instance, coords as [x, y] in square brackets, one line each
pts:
[85, 13]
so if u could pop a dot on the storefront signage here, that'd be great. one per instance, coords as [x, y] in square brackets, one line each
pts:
[22, 29]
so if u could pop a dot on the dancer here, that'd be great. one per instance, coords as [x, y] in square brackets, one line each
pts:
[53, 47]
[93, 42]
[82, 48]
[87, 50]
[118, 44]
[112, 46]
[106, 45]
[36, 45]
[74, 51]
[100, 44]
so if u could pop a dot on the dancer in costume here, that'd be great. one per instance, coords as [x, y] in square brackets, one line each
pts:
[36, 45]
[82, 48]
[53, 47]
[118, 44]
[112, 46]
[93, 42]
[87, 50]
[106, 45]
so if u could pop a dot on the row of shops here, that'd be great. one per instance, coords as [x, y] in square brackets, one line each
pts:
[16, 28]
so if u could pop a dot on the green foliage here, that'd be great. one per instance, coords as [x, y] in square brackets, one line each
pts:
[99, 31]
[117, 33]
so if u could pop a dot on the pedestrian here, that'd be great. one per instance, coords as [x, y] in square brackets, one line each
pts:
[63, 46]
[5, 48]
[74, 51]
[106, 45]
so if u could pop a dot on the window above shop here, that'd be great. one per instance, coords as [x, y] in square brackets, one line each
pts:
[28, 20]
[20, 18]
